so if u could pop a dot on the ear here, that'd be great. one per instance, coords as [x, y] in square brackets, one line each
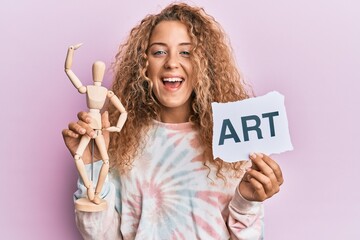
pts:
[146, 68]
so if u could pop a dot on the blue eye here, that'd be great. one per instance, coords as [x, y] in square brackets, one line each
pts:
[186, 53]
[160, 52]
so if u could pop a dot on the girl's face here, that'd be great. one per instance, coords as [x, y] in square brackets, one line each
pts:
[170, 70]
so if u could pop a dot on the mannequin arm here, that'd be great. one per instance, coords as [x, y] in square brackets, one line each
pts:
[123, 114]
[68, 63]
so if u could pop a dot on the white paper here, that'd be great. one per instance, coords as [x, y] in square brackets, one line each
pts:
[252, 125]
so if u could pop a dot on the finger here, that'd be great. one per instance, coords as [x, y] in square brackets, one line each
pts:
[69, 133]
[84, 116]
[253, 156]
[105, 119]
[275, 167]
[259, 192]
[257, 159]
[75, 127]
[269, 185]
[89, 130]
[246, 177]
[265, 175]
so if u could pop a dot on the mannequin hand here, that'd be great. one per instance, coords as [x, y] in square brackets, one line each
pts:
[113, 129]
[82, 89]
[76, 46]
[76, 130]
[262, 180]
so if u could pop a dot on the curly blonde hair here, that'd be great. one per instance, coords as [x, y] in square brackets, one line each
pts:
[216, 80]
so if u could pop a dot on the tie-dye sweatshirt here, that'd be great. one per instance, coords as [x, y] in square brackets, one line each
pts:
[170, 194]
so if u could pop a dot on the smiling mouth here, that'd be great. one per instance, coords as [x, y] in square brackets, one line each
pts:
[172, 83]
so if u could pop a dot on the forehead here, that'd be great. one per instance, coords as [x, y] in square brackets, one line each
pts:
[170, 32]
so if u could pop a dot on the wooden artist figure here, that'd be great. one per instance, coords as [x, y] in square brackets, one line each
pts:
[95, 98]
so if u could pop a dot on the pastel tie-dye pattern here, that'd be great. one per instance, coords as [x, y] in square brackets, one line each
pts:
[170, 194]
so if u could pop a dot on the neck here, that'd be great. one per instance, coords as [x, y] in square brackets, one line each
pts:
[171, 115]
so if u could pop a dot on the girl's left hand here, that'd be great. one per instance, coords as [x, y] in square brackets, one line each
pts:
[262, 180]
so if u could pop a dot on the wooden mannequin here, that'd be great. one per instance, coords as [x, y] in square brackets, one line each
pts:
[95, 96]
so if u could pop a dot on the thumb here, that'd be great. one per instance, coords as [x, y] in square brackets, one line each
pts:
[105, 119]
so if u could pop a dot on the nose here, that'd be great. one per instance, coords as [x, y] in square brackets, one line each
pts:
[172, 61]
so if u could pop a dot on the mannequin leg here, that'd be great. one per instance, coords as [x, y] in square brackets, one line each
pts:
[100, 142]
[84, 142]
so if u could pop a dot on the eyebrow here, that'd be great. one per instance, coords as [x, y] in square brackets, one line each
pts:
[164, 44]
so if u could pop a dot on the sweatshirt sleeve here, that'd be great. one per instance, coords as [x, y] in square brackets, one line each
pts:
[98, 225]
[246, 219]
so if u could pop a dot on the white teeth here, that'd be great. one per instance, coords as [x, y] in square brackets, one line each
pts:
[172, 80]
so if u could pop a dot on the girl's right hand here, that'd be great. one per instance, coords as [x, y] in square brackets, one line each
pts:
[76, 130]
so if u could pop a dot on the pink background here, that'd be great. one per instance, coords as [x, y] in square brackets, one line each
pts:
[307, 50]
